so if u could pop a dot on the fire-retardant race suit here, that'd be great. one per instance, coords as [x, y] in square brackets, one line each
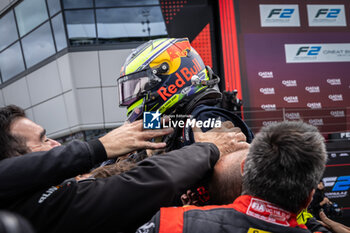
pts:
[246, 214]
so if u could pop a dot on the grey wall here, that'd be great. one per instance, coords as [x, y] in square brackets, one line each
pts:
[6, 3]
[75, 92]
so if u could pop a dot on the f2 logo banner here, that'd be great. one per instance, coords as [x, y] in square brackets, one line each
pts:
[341, 183]
[326, 15]
[279, 15]
[327, 52]
[309, 50]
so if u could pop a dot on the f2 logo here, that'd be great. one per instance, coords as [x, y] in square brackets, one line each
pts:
[329, 13]
[282, 13]
[343, 183]
[340, 184]
[311, 51]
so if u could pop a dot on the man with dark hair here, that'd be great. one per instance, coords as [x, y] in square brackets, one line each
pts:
[22, 132]
[50, 163]
[281, 171]
[11, 145]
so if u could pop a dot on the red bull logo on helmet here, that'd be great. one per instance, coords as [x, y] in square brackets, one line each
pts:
[182, 76]
[180, 49]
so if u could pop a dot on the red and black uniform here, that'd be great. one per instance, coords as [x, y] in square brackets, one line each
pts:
[245, 214]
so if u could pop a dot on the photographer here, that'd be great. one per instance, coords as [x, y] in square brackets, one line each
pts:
[321, 202]
[231, 102]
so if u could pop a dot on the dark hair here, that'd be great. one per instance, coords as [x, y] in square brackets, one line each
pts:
[285, 162]
[10, 145]
[113, 169]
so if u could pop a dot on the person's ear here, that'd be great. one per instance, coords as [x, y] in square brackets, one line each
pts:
[242, 166]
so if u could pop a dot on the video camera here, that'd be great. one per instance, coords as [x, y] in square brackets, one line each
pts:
[231, 102]
[332, 210]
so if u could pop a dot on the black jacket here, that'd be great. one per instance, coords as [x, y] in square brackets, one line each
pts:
[117, 203]
[34, 171]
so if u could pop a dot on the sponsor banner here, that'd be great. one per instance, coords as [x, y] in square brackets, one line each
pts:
[313, 89]
[292, 116]
[268, 107]
[334, 81]
[325, 119]
[314, 105]
[306, 53]
[266, 123]
[345, 135]
[326, 15]
[291, 99]
[337, 97]
[337, 113]
[316, 122]
[318, 86]
[337, 178]
[335, 155]
[289, 83]
[279, 15]
[267, 91]
[266, 74]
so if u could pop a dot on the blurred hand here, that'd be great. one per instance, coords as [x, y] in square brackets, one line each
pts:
[335, 227]
[325, 201]
[131, 137]
[189, 198]
[227, 138]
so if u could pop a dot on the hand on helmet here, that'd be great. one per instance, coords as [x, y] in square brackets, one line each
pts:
[131, 137]
[227, 138]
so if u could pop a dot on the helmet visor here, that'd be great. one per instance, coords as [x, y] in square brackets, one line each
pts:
[133, 86]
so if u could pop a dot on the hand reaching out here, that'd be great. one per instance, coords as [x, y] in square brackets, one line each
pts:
[131, 137]
[227, 138]
[335, 227]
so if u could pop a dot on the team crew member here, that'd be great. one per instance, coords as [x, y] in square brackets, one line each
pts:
[281, 171]
[122, 202]
[52, 164]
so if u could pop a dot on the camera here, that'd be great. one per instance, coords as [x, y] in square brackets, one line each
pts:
[332, 210]
[231, 102]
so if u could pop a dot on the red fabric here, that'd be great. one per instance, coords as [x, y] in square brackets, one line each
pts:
[265, 211]
[171, 219]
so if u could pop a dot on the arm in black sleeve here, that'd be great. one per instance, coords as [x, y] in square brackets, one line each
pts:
[37, 170]
[315, 226]
[122, 202]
